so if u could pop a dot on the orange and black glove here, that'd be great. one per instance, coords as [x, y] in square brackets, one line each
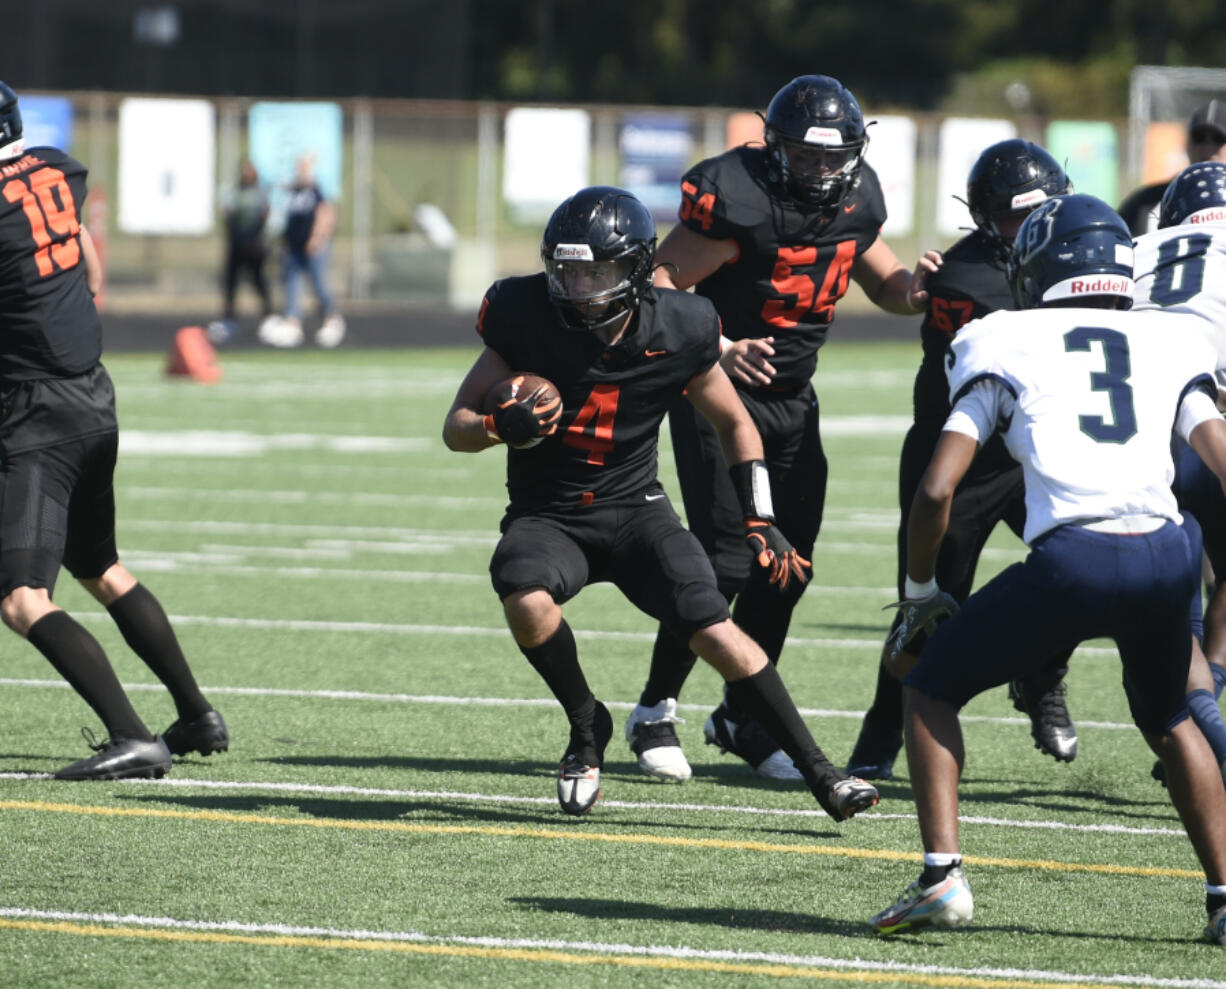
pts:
[523, 420]
[769, 546]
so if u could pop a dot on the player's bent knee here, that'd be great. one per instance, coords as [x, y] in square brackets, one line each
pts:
[532, 615]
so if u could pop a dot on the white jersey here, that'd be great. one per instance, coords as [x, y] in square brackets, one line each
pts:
[1183, 269]
[1086, 400]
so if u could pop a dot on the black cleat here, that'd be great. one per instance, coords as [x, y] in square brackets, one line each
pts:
[205, 735]
[1050, 725]
[847, 797]
[120, 759]
[750, 741]
[579, 773]
[875, 751]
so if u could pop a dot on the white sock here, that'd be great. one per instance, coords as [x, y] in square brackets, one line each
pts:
[942, 858]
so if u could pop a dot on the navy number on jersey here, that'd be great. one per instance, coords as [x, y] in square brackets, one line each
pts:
[592, 428]
[798, 293]
[39, 202]
[1180, 272]
[1113, 379]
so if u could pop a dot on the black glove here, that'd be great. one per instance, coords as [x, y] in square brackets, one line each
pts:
[920, 617]
[522, 422]
[772, 551]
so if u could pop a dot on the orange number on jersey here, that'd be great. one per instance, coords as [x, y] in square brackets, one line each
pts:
[598, 412]
[38, 202]
[950, 315]
[697, 207]
[808, 297]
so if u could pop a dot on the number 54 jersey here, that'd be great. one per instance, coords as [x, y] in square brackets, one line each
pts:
[1183, 269]
[1086, 400]
[50, 326]
[793, 265]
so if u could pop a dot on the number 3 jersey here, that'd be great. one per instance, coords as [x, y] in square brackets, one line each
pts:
[792, 266]
[1183, 269]
[49, 325]
[1086, 400]
[613, 397]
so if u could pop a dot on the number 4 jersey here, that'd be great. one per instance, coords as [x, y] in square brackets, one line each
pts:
[1086, 400]
[613, 398]
[48, 320]
[792, 266]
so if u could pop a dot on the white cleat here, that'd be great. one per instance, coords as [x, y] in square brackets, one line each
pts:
[652, 738]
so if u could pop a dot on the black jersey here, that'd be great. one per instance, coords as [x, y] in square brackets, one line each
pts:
[792, 266]
[48, 320]
[969, 284]
[613, 398]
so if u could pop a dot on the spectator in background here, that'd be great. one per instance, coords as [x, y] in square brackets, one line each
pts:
[309, 224]
[1206, 142]
[246, 249]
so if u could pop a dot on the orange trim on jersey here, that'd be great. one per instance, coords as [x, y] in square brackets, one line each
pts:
[588, 498]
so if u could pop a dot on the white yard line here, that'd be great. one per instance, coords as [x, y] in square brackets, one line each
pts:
[663, 952]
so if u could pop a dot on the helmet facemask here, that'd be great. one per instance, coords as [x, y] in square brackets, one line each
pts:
[820, 170]
[589, 293]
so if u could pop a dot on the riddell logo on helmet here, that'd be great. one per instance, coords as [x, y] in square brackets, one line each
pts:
[1215, 215]
[1024, 199]
[823, 135]
[573, 252]
[1106, 285]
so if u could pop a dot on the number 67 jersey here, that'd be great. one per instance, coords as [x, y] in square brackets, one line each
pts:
[1086, 400]
[51, 328]
[1183, 269]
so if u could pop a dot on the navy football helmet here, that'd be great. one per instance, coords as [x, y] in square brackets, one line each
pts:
[815, 138]
[1192, 193]
[12, 144]
[599, 249]
[1011, 176]
[1071, 247]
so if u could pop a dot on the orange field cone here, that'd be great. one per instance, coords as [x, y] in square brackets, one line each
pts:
[192, 356]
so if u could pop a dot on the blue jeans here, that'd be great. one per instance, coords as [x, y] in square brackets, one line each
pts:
[315, 267]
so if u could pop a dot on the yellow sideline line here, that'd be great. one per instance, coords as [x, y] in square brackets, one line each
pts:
[547, 956]
[579, 834]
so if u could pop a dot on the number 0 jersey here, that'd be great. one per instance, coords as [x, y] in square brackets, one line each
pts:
[613, 398]
[1086, 400]
[1183, 269]
[792, 266]
[49, 325]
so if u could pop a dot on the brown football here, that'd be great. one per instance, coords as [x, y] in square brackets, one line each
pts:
[518, 386]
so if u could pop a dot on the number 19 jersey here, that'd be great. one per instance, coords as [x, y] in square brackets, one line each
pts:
[48, 320]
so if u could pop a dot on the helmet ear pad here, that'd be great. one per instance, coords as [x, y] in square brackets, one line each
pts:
[612, 235]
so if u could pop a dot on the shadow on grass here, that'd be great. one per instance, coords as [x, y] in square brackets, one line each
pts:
[734, 918]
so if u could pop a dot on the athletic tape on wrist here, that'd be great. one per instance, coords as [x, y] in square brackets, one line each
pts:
[753, 488]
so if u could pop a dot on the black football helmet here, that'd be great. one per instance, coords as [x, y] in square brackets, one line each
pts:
[599, 249]
[1194, 191]
[1011, 176]
[1071, 247]
[12, 144]
[815, 139]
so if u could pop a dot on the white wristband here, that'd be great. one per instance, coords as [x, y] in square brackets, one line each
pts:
[912, 590]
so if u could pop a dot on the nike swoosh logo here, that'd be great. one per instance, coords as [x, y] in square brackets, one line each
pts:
[654, 497]
[848, 209]
[654, 353]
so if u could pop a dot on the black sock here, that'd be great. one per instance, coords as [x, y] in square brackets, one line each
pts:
[1215, 901]
[886, 709]
[79, 659]
[934, 874]
[557, 661]
[671, 663]
[146, 629]
[764, 696]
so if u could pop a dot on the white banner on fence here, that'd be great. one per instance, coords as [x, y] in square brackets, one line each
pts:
[166, 166]
[962, 141]
[547, 158]
[891, 152]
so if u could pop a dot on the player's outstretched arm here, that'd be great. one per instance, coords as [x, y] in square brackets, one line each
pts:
[685, 258]
[464, 429]
[889, 284]
[929, 516]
